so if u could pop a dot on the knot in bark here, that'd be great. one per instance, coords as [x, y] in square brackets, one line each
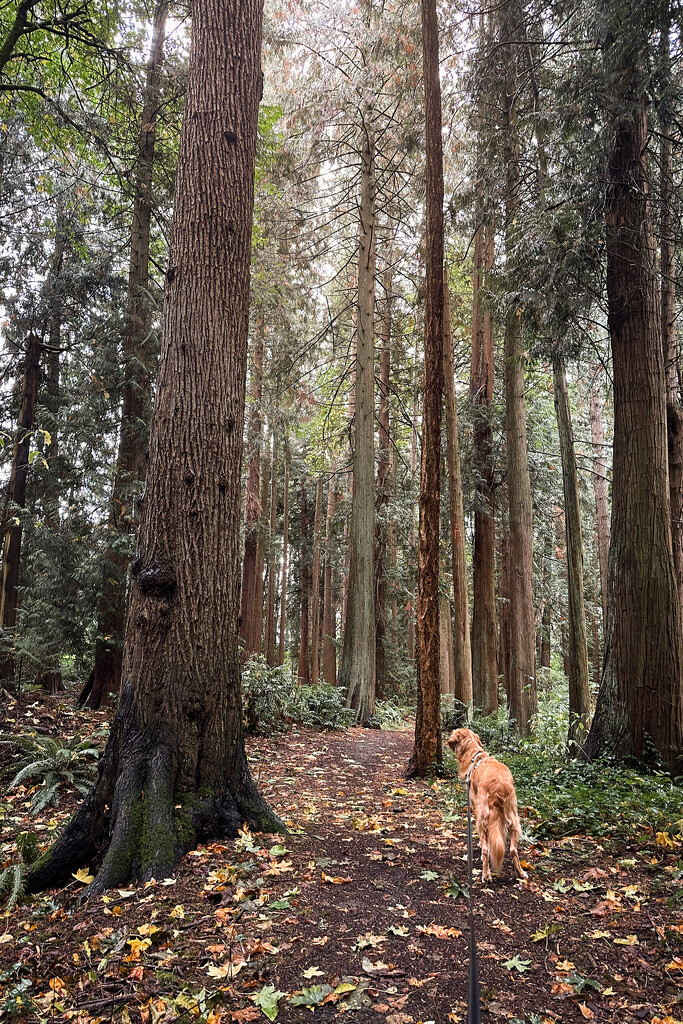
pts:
[156, 579]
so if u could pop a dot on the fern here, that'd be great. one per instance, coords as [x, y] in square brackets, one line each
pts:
[54, 762]
[13, 883]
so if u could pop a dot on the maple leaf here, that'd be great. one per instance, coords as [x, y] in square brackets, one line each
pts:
[313, 972]
[630, 940]
[334, 881]
[84, 876]
[312, 996]
[247, 1014]
[267, 999]
[517, 965]
[586, 1011]
[439, 931]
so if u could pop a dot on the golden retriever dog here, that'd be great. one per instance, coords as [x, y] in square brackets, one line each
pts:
[493, 799]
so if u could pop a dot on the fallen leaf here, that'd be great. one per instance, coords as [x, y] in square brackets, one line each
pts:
[586, 1011]
[84, 876]
[334, 881]
[313, 972]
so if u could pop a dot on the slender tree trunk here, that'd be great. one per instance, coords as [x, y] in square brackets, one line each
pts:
[640, 702]
[579, 688]
[285, 546]
[447, 666]
[600, 491]
[252, 586]
[315, 590]
[597, 660]
[175, 768]
[462, 652]
[16, 498]
[304, 670]
[56, 291]
[545, 637]
[674, 408]
[410, 610]
[329, 623]
[382, 487]
[357, 672]
[504, 611]
[522, 629]
[272, 562]
[484, 660]
[137, 395]
[427, 748]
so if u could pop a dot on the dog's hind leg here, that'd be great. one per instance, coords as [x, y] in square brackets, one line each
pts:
[515, 835]
[483, 830]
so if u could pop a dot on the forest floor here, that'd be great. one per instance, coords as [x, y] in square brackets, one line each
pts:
[359, 913]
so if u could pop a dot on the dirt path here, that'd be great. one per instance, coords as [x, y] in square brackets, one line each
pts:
[356, 914]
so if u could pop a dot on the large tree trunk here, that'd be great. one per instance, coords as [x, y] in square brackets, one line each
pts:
[329, 617]
[285, 551]
[136, 405]
[252, 573]
[484, 660]
[462, 652]
[357, 671]
[600, 491]
[272, 563]
[522, 627]
[640, 702]
[16, 498]
[174, 770]
[382, 487]
[579, 689]
[427, 748]
[674, 408]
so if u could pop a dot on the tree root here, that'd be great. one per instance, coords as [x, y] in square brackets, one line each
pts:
[136, 820]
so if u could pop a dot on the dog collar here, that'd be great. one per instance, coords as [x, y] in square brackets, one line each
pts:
[476, 760]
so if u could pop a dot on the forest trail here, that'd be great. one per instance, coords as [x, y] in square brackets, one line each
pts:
[356, 914]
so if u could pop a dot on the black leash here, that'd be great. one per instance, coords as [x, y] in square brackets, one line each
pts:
[473, 996]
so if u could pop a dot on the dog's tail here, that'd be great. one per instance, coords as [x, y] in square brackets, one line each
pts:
[496, 841]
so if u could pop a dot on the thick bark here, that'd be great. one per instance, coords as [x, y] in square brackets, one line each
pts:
[357, 671]
[600, 491]
[174, 769]
[272, 563]
[674, 407]
[427, 748]
[382, 487]
[136, 404]
[16, 498]
[484, 660]
[252, 574]
[285, 551]
[522, 628]
[579, 689]
[315, 587]
[329, 617]
[640, 702]
[304, 669]
[462, 652]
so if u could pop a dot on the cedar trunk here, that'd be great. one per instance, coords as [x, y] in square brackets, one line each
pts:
[16, 498]
[285, 551]
[357, 671]
[304, 669]
[462, 652]
[522, 704]
[640, 703]
[129, 478]
[579, 690]
[174, 770]
[484, 660]
[427, 748]
[315, 588]
[272, 563]
[329, 616]
[252, 573]
[382, 488]
[600, 491]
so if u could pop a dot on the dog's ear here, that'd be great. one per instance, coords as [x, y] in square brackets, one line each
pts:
[476, 739]
[452, 740]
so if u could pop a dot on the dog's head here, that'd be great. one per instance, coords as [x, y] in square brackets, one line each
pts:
[462, 740]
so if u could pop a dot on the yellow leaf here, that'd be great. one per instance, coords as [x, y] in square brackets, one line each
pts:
[148, 929]
[178, 911]
[630, 940]
[334, 881]
[83, 875]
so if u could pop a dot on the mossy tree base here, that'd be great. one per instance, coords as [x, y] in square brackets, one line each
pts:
[137, 822]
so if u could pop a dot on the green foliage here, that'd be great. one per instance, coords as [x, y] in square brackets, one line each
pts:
[272, 700]
[598, 797]
[54, 762]
[391, 714]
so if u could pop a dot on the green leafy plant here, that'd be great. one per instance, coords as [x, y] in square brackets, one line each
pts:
[13, 877]
[272, 700]
[390, 714]
[54, 762]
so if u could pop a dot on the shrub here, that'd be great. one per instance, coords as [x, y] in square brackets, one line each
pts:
[272, 700]
[390, 714]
